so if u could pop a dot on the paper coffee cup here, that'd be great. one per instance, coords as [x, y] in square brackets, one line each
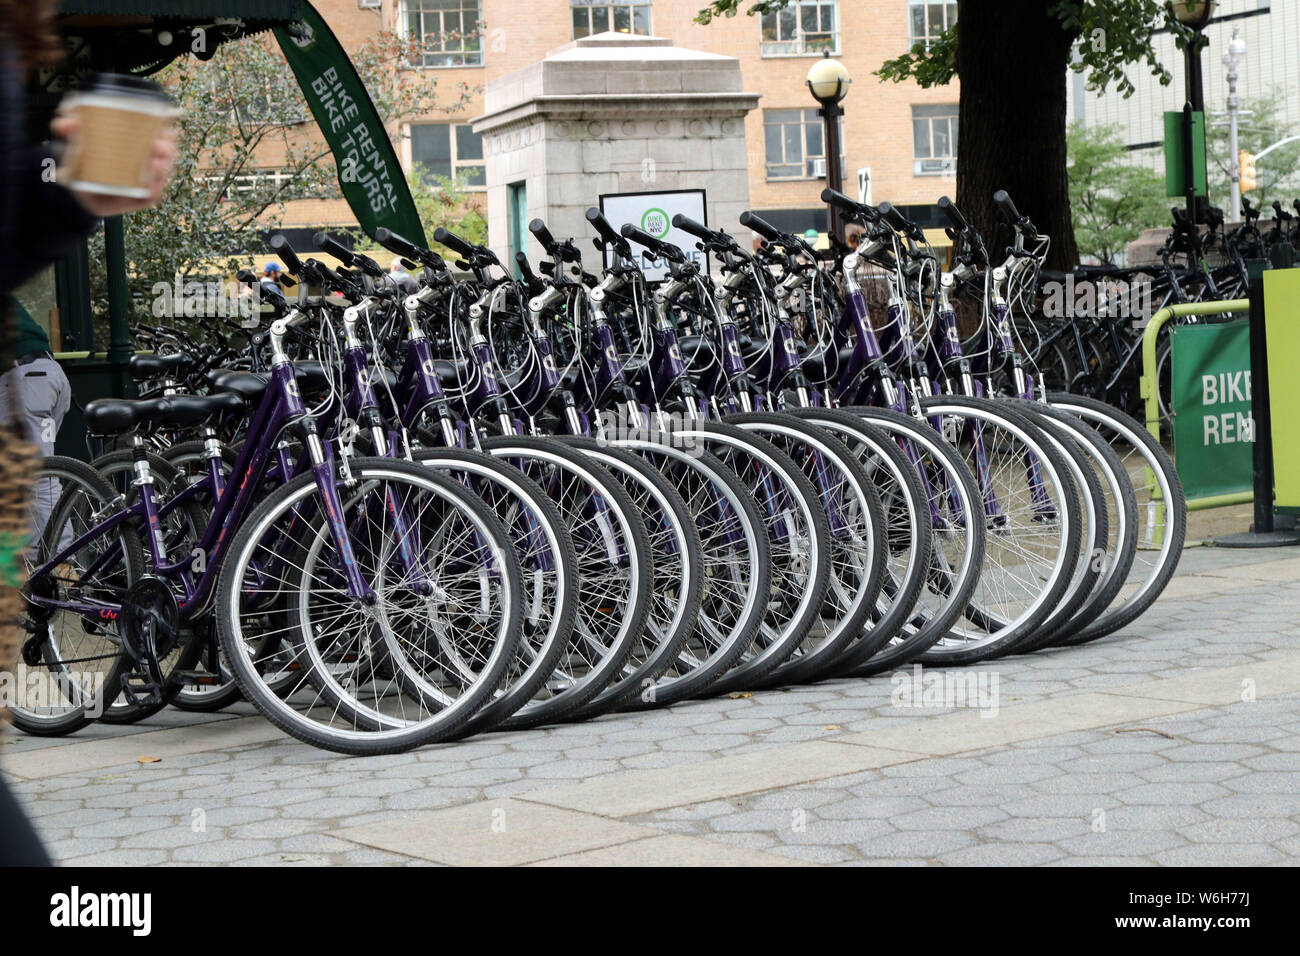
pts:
[120, 117]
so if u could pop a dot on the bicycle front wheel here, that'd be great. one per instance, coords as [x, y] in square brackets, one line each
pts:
[410, 659]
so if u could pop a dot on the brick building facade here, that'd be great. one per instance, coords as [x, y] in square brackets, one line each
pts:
[903, 135]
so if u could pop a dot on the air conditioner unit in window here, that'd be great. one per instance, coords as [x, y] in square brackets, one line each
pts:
[370, 4]
[819, 168]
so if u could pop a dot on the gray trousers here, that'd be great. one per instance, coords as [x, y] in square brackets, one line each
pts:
[37, 395]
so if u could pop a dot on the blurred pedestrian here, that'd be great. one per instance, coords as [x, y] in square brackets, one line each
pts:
[40, 221]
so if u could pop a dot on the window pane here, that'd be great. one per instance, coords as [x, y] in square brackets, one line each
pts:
[600, 19]
[431, 148]
[469, 145]
[954, 134]
[772, 143]
[941, 144]
[936, 19]
[793, 136]
[788, 24]
[918, 24]
[813, 133]
[623, 19]
[474, 175]
[641, 20]
[581, 27]
[921, 138]
[769, 27]
[808, 19]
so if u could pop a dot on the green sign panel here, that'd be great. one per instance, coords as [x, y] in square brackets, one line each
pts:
[1214, 429]
[1282, 332]
[369, 172]
[1176, 152]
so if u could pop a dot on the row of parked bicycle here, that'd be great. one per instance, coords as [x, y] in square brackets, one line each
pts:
[1093, 345]
[394, 517]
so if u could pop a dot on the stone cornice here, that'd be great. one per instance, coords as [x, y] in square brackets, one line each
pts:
[607, 106]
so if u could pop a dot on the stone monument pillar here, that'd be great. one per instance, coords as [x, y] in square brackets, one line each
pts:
[611, 113]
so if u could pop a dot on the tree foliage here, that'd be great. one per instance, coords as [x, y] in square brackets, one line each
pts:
[249, 147]
[1278, 173]
[1111, 35]
[1112, 200]
[446, 201]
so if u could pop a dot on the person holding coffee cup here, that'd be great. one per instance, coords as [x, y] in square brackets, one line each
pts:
[42, 217]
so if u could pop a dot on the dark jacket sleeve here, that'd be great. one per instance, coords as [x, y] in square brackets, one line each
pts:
[50, 220]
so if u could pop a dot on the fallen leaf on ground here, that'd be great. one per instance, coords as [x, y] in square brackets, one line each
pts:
[740, 694]
[149, 760]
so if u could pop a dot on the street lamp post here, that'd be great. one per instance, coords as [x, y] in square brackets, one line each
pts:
[1232, 58]
[1194, 14]
[828, 81]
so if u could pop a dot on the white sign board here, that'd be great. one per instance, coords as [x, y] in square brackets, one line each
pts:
[653, 212]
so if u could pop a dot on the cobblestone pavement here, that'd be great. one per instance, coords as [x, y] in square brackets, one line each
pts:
[1174, 742]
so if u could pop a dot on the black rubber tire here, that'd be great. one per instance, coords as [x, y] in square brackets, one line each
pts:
[365, 743]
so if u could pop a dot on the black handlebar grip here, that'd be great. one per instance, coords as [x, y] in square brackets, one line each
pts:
[642, 237]
[602, 226]
[889, 212]
[833, 197]
[760, 226]
[1007, 206]
[453, 242]
[538, 228]
[281, 247]
[526, 270]
[396, 244]
[367, 265]
[949, 209]
[326, 243]
[689, 225]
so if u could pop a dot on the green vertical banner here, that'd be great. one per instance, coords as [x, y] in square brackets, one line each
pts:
[1282, 332]
[1214, 429]
[1176, 151]
[370, 173]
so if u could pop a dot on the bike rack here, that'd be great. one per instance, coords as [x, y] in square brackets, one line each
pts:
[1149, 391]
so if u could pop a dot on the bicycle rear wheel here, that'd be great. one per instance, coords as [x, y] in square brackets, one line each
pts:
[75, 658]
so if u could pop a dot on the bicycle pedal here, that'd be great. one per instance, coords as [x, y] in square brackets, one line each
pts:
[140, 691]
[198, 678]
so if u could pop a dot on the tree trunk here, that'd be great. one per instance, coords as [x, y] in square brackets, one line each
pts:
[1012, 57]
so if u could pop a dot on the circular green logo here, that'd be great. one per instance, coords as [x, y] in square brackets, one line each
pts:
[656, 222]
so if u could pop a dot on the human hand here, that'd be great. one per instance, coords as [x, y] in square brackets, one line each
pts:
[162, 160]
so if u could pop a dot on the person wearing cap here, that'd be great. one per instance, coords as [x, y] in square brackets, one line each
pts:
[271, 277]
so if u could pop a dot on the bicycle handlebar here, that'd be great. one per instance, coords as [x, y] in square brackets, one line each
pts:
[889, 212]
[538, 228]
[453, 242]
[760, 226]
[280, 245]
[698, 230]
[665, 249]
[949, 209]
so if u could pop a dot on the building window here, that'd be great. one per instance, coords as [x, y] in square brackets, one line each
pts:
[449, 150]
[601, 16]
[795, 144]
[803, 28]
[934, 140]
[929, 20]
[446, 30]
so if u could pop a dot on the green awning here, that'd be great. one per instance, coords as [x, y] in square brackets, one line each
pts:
[282, 10]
